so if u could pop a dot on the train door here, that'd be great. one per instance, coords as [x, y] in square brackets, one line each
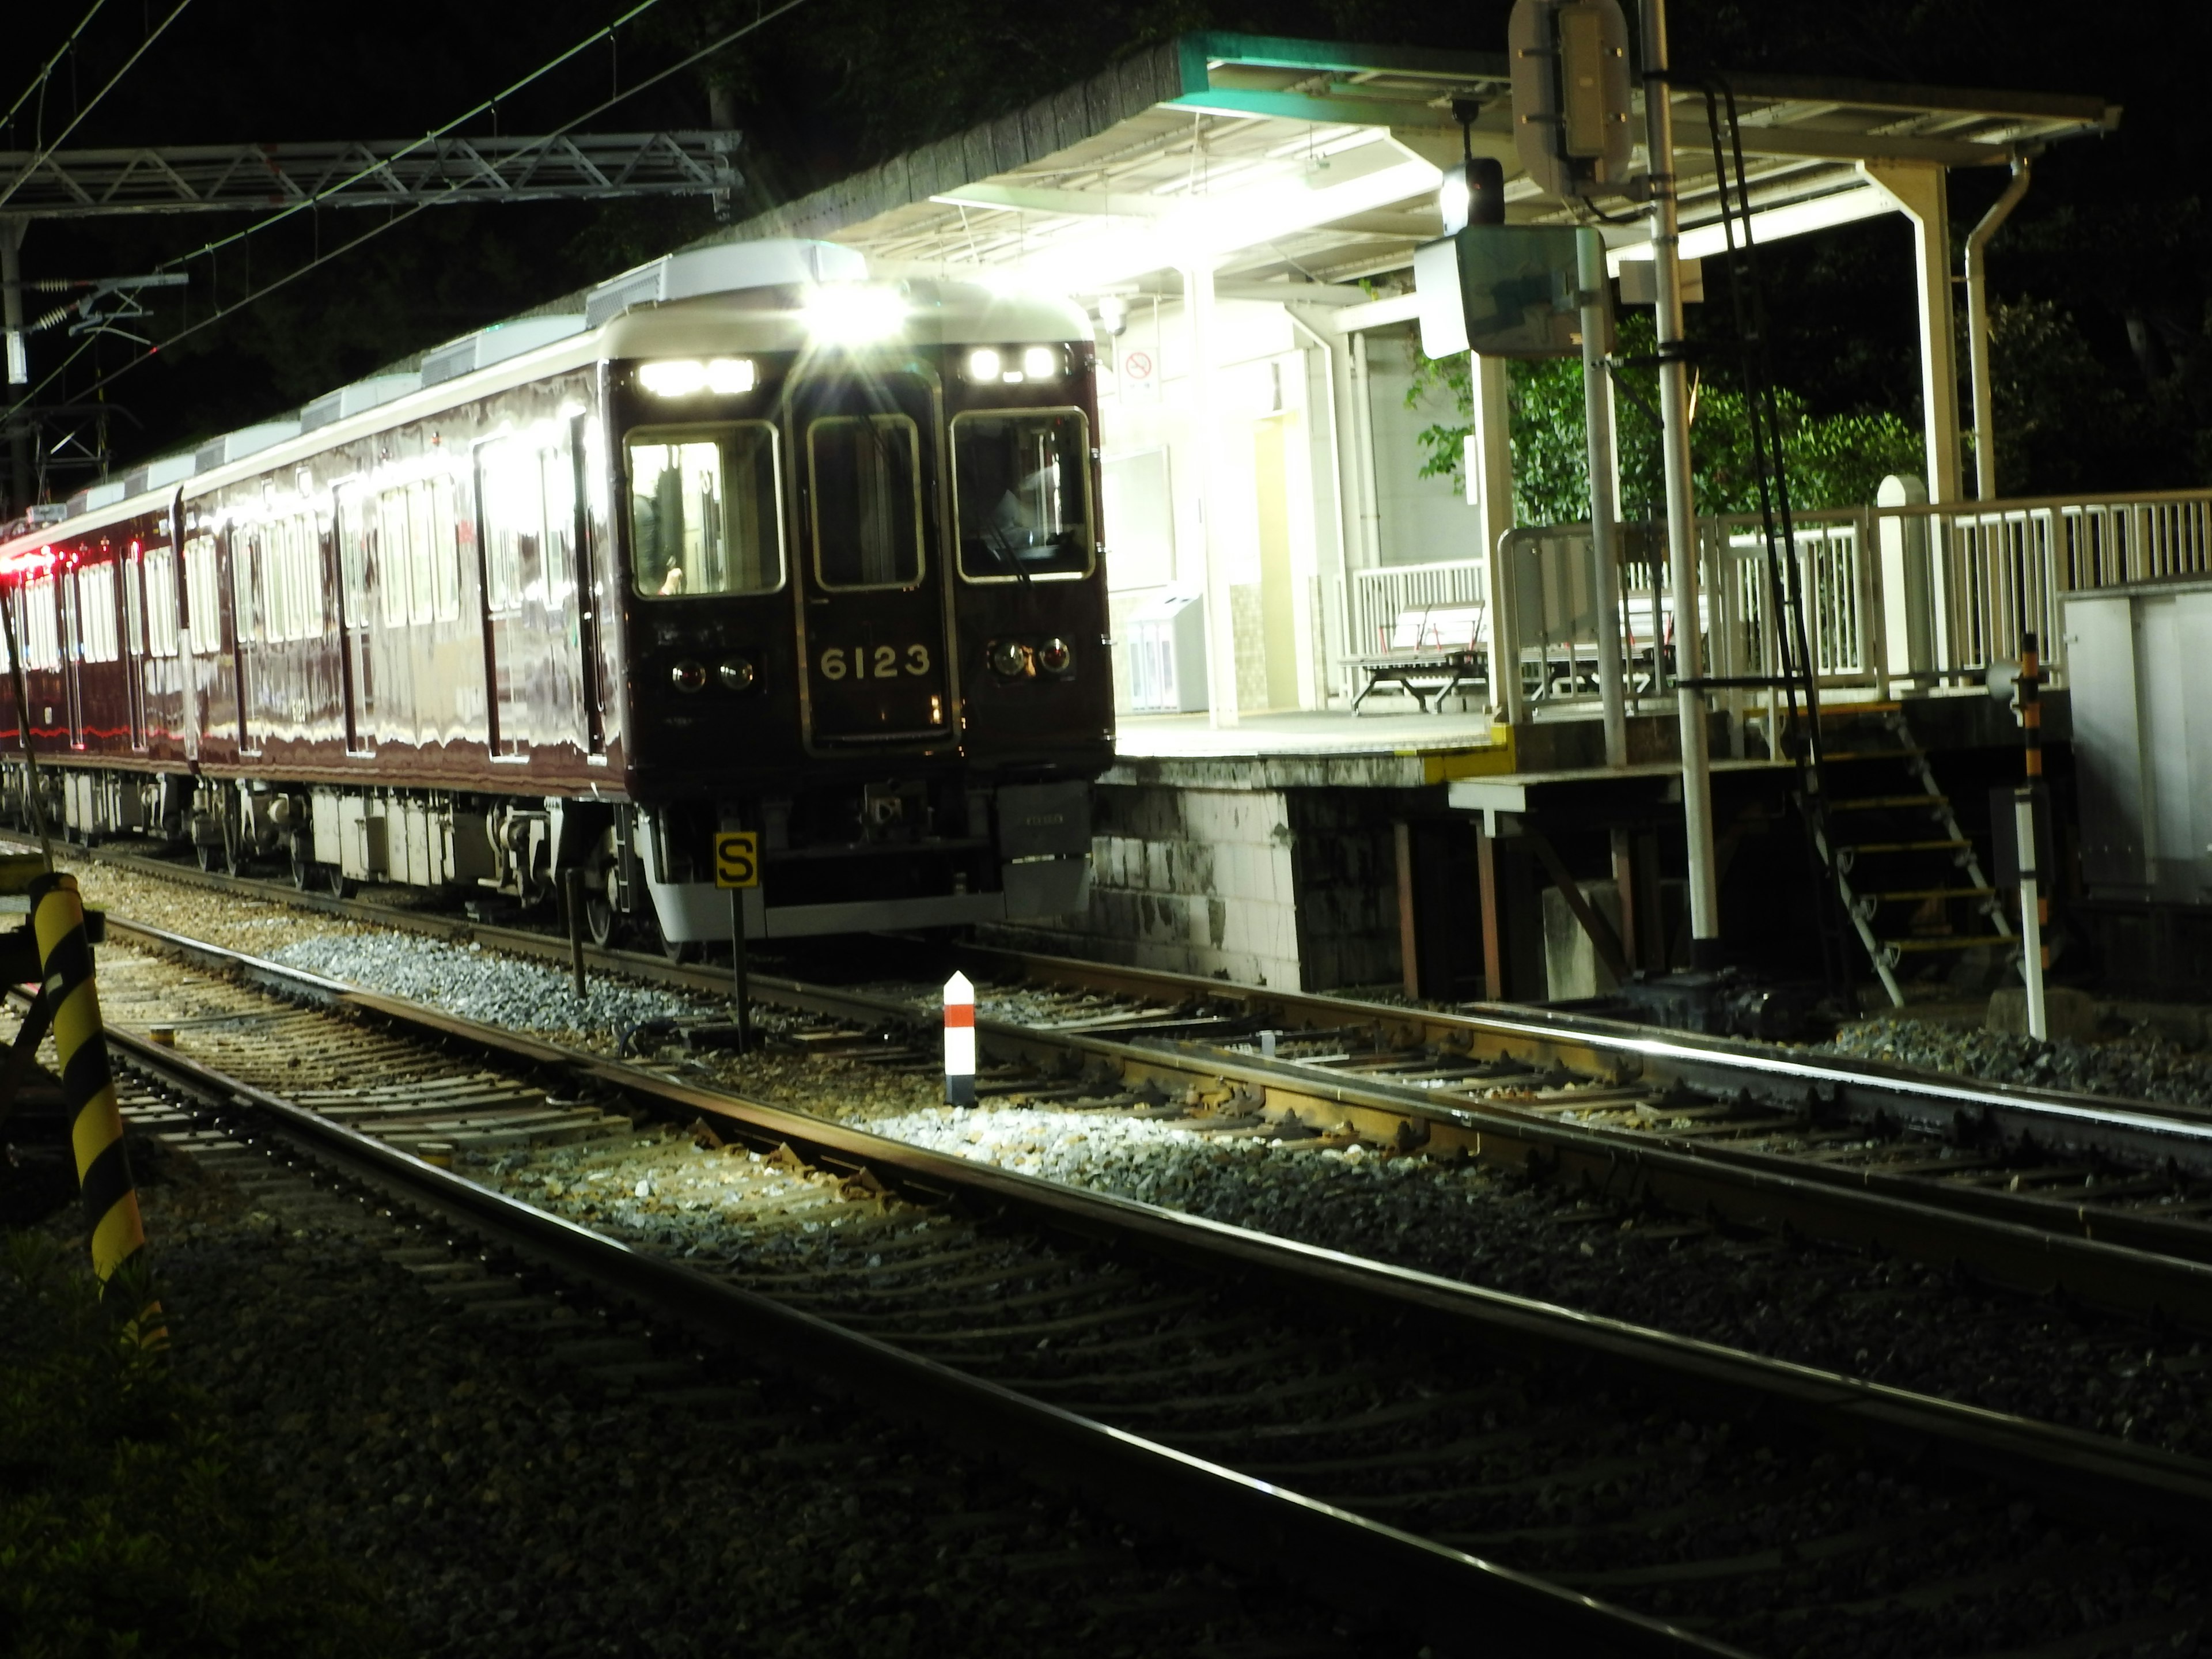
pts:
[131, 570]
[534, 640]
[872, 614]
[591, 687]
[211, 677]
[72, 625]
[355, 669]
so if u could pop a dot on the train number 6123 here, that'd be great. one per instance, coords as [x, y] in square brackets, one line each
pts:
[882, 662]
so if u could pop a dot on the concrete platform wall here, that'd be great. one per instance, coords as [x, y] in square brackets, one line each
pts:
[1287, 887]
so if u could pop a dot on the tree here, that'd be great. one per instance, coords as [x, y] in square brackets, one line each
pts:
[1832, 460]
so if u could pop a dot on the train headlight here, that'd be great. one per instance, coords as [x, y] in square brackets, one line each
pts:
[687, 676]
[853, 313]
[1010, 659]
[1055, 656]
[984, 364]
[1041, 363]
[686, 377]
[738, 674]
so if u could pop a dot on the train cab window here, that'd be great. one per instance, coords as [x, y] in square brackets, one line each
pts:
[705, 511]
[1021, 487]
[867, 489]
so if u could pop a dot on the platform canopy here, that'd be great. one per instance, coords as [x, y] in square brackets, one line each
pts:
[1304, 161]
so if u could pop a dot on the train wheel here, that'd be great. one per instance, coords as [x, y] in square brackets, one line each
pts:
[303, 871]
[208, 857]
[600, 919]
[340, 884]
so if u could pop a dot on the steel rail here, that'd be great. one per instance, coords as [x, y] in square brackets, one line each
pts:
[2128, 1262]
[1700, 1378]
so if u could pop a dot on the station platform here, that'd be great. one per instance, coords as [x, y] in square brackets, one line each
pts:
[1434, 852]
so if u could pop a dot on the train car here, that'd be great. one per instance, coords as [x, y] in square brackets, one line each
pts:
[750, 542]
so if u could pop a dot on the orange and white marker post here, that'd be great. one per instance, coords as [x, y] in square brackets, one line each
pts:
[959, 1041]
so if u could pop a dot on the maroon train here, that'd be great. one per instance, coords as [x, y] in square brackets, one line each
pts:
[751, 542]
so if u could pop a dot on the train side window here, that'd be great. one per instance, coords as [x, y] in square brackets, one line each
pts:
[706, 510]
[421, 553]
[307, 577]
[161, 601]
[391, 556]
[867, 489]
[203, 595]
[42, 624]
[354, 507]
[95, 613]
[1021, 492]
[444, 528]
[514, 514]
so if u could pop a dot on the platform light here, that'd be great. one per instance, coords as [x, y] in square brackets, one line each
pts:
[727, 376]
[1040, 362]
[984, 364]
[853, 313]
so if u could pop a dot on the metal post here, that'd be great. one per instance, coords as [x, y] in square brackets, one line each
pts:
[12, 226]
[737, 967]
[1220, 620]
[2030, 911]
[959, 1041]
[571, 896]
[103, 1168]
[1597, 407]
[1681, 512]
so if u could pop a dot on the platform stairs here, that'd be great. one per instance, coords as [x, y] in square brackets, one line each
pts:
[1908, 875]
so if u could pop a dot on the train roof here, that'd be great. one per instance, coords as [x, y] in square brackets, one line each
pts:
[767, 295]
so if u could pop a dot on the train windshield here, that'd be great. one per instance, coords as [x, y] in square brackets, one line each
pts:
[706, 513]
[1022, 485]
[867, 500]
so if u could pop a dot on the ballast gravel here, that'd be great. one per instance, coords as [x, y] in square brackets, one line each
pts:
[510, 991]
[515, 1506]
[2137, 1067]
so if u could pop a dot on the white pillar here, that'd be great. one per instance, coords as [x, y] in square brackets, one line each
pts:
[1917, 187]
[1597, 413]
[1492, 460]
[1220, 624]
[1681, 510]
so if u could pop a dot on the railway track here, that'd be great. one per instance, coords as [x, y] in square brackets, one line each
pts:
[2109, 1202]
[1507, 1469]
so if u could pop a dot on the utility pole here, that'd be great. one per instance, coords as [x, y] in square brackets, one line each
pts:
[12, 226]
[1681, 512]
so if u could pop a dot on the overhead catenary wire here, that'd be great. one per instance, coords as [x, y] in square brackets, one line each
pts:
[397, 219]
[91, 104]
[47, 71]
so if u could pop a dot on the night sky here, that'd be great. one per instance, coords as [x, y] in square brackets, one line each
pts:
[2109, 383]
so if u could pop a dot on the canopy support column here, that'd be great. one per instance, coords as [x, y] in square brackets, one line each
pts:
[1220, 623]
[1917, 187]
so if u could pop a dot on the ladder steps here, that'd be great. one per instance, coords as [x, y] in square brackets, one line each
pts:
[1900, 895]
[1904, 846]
[1958, 942]
[1877, 803]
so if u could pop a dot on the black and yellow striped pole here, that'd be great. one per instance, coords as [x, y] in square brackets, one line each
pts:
[103, 1169]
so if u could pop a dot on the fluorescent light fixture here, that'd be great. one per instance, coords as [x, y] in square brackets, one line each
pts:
[686, 377]
[675, 377]
[853, 313]
[1040, 362]
[730, 375]
[1454, 197]
[984, 364]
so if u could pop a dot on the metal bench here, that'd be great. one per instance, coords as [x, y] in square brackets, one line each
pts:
[1433, 651]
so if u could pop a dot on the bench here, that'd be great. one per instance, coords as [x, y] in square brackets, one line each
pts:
[1432, 651]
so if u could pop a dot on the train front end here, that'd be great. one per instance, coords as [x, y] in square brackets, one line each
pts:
[863, 607]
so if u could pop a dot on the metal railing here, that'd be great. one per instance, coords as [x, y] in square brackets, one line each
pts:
[1915, 595]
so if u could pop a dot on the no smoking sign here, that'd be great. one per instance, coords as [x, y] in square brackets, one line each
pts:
[1136, 365]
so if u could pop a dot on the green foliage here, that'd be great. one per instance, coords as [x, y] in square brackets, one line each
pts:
[1833, 460]
[126, 1527]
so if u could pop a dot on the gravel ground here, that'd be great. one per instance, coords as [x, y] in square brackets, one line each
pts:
[512, 1504]
[2139, 1067]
